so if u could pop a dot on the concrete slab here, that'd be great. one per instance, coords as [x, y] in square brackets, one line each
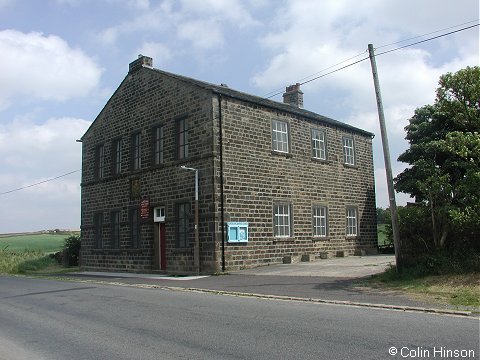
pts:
[343, 267]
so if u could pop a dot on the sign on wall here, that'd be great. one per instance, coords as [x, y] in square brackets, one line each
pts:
[145, 209]
[135, 189]
[237, 232]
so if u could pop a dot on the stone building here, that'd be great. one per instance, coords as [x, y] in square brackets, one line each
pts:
[275, 182]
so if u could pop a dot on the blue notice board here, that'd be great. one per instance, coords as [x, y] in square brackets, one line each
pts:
[237, 232]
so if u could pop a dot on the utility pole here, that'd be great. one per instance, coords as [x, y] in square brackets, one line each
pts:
[388, 165]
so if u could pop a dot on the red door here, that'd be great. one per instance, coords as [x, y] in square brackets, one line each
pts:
[163, 248]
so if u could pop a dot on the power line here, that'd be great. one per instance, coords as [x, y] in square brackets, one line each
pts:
[318, 72]
[430, 33]
[318, 77]
[310, 80]
[41, 182]
[429, 39]
[280, 91]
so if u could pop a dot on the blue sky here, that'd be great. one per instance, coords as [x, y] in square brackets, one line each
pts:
[61, 60]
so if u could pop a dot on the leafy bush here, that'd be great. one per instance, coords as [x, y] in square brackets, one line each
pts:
[72, 250]
[415, 230]
[438, 263]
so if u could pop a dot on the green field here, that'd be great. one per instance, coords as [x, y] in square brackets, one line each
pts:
[29, 252]
[47, 243]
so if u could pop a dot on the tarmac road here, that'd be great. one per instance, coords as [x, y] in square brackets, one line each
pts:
[47, 319]
[331, 280]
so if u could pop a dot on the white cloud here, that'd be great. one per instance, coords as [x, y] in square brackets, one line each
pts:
[31, 153]
[201, 34]
[49, 147]
[156, 19]
[46, 150]
[109, 35]
[381, 190]
[158, 51]
[139, 4]
[231, 11]
[309, 36]
[201, 24]
[38, 208]
[43, 67]
[69, 2]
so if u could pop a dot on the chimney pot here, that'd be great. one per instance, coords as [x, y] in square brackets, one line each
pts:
[293, 95]
[139, 63]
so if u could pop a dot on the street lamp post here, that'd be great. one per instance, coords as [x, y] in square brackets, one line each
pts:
[196, 246]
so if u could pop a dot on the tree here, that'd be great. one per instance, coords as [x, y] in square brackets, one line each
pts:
[71, 250]
[444, 157]
[465, 148]
[382, 215]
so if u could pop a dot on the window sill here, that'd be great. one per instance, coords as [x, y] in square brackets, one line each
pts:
[321, 161]
[281, 153]
[350, 166]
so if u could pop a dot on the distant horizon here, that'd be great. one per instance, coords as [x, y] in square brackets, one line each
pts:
[40, 231]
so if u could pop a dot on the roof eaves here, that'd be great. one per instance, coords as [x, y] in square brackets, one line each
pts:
[287, 108]
[226, 91]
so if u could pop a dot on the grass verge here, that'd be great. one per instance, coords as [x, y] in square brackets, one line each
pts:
[28, 262]
[453, 289]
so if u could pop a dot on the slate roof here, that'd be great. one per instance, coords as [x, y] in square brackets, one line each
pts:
[227, 91]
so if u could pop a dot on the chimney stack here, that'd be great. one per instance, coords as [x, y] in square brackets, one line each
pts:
[293, 96]
[139, 63]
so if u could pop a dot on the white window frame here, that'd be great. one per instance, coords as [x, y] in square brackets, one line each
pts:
[319, 148]
[280, 136]
[348, 150]
[320, 221]
[351, 215]
[282, 220]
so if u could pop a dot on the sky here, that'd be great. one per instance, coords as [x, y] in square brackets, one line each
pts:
[61, 60]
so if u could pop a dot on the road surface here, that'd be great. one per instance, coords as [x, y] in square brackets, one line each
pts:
[46, 319]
